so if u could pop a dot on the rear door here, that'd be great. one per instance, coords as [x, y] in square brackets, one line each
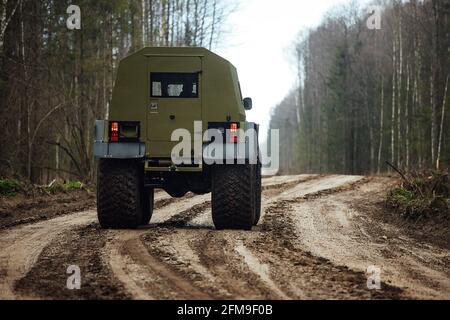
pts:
[174, 96]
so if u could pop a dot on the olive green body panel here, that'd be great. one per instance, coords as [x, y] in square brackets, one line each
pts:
[185, 112]
[219, 98]
[130, 92]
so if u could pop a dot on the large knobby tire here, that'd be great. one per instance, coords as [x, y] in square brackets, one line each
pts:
[258, 190]
[233, 197]
[120, 186]
[147, 207]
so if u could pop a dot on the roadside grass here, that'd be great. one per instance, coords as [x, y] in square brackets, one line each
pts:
[10, 188]
[422, 195]
[64, 186]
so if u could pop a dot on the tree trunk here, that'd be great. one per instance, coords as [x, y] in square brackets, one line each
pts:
[433, 119]
[407, 118]
[399, 92]
[394, 80]
[441, 129]
[380, 147]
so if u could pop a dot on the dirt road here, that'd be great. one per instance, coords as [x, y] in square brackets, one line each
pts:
[317, 237]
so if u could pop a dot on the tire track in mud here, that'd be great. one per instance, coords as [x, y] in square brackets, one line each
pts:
[27, 210]
[171, 259]
[159, 280]
[149, 276]
[28, 246]
[182, 219]
[155, 238]
[262, 270]
[284, 254]
[269, 185]
[166, 200]
[87, 248]
[253, 248]
[222, 259]
[296, 273]
[225, 266]
[81, 247]
[292, 272]
[22, 247]
[301, 274]
[346, 229]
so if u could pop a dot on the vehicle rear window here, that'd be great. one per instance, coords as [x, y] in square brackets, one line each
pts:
[174, 85]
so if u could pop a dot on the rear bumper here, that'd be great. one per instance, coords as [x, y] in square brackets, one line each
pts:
[243, 152]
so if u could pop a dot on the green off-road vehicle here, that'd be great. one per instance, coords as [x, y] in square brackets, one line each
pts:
[177, 122]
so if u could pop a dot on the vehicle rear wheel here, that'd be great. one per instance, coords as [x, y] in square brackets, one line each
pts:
[233, 197]
[258, 190]
[147, 208]
[120, 186]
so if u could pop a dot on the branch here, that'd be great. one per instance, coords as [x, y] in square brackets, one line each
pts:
[398, 171]
[413, 185]
[42, 121]
[442, 123]
[71, 156]
[3, 30]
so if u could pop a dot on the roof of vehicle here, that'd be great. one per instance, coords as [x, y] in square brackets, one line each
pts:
[178, 51]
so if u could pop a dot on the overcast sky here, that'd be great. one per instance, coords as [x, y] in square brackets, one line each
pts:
[260, 46]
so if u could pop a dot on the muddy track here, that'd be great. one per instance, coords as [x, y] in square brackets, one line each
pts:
[295, 268]
[22, 247]
[307, 246]
[264, 264]
[277, 184]
[161, 268]
[353, 220]
[201, 252]
[82, 247]
[163, 200]
[20, 211]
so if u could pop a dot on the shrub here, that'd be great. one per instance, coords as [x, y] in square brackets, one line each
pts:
[422, 195]
[9, 187]
[64, 186]
[73, 185]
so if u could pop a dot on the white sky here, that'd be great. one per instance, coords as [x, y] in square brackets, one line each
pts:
[260, 46]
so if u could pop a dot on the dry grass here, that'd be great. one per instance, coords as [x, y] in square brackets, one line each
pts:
[422, 195]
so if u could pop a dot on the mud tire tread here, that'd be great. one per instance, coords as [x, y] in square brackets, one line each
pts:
[119, 194]
[233, 197]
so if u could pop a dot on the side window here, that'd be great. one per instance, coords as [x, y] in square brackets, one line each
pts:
[174, 85]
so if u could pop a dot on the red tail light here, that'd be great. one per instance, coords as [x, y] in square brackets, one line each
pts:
[234, 133]
[114, 132]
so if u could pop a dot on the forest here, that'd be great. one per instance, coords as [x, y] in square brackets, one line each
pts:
[54, 81]
[363, 97]
[368, 96]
